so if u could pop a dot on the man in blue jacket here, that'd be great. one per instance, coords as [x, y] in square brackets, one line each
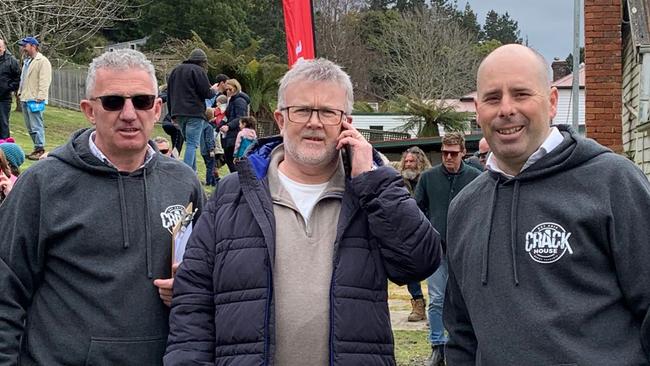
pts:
[289, 265]
[551, 267]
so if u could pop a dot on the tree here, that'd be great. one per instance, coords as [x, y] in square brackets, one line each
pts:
[62, 24]
[213, 20]
[428, 56]
[469, 21]
[428, 115]
[501, 27]
[258, 77]
[569, 58]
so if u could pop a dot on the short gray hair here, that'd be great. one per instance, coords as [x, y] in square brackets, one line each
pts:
[317, 70]
[121, 59]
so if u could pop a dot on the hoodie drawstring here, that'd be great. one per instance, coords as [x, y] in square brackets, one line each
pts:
[486, 243]
[125, 230]
[147, 224]
[513, 231]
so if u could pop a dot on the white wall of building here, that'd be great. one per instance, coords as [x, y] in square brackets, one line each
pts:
[565, 107]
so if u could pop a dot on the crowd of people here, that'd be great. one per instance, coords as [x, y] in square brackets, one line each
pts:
[532, 249]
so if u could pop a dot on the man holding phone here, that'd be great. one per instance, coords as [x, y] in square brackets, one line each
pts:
[87, 231]
[289, 264]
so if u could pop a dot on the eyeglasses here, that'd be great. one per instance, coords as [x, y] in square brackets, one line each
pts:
[116, 102]
[326, 116]
[164, 151]
[452, 154]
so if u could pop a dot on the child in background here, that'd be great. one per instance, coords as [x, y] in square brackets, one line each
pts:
[207, 148]
[6, 184]
[15, 157]
[246, 136]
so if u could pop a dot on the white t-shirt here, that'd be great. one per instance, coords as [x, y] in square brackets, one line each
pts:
[303, 195]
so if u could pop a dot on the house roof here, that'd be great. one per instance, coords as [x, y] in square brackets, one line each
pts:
[567, 81]
[639, 19]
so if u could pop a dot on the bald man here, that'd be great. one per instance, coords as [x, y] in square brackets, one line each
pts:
[483, 151]
[552, 268]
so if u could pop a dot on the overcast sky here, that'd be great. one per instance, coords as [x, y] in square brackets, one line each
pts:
[547, 24]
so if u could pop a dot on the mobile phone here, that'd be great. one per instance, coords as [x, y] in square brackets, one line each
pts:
[347, 160]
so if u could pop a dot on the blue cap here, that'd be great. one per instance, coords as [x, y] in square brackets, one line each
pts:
[28, 40]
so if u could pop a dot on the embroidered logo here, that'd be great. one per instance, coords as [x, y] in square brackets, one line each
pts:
[547, 242]
[171, 216]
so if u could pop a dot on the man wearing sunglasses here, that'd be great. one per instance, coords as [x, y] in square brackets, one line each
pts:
[435, 190]
[290, 263]
[86, 257]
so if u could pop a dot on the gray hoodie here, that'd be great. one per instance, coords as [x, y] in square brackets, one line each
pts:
[552, 266]
[81, 247]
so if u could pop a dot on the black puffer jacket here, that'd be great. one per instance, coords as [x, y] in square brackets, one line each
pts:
[223, 308]
[9, 75]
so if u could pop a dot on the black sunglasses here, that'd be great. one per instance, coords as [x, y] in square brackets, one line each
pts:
[116, 102]
[164, 151]
[453, 154]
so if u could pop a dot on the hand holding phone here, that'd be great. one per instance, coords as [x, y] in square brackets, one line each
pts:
[359, 151]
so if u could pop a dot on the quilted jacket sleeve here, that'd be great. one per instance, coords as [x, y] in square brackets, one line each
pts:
[410, 246]
[191, 321]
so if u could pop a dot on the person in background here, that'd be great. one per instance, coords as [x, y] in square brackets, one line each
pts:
[187, 89]
[170, 127]
[15, 157]
[6, 184]
[238, 102]
[413, 163]
[207, 149]
[434, 192]
[246, 136]
[163, 146]
[34, 88]
[9, 82]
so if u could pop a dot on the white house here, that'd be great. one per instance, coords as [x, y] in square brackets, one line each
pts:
[565, 99]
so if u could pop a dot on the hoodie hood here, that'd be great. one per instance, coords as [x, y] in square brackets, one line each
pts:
[573, 151]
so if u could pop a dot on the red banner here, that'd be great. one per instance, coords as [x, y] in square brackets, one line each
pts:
[299, 27]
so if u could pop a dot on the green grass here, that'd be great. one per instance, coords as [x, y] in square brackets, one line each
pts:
[411, 347]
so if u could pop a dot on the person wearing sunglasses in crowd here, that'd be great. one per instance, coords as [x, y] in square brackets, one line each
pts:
[86, 255]
[433, 193]
[238, 103]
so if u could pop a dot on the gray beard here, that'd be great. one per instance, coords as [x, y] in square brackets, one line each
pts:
[410, 174]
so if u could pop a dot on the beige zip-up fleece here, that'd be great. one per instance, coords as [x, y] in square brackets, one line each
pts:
[302, 275]
[38, 79]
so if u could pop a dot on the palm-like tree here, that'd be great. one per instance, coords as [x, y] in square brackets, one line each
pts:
[429, 114]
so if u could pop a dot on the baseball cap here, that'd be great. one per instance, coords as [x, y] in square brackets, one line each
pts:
[29, 40]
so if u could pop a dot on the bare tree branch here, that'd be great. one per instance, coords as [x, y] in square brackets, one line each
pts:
[61, 24]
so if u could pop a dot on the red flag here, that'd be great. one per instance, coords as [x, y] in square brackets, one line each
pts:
[299, 28]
